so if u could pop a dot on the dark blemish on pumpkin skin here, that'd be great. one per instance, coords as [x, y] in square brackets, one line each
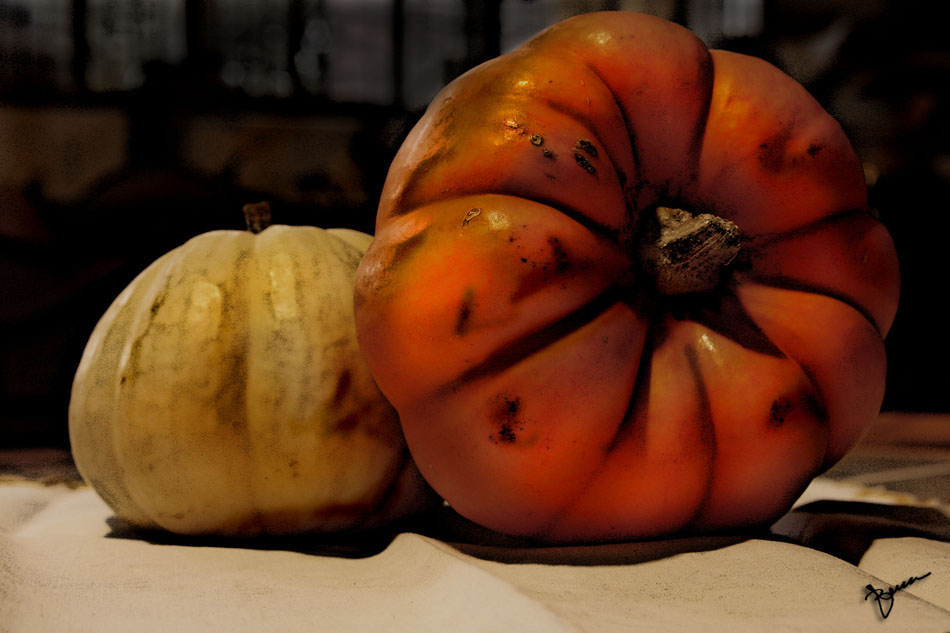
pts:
[585, 164]
[506, 434]
[537, 139]
[587, 146]
[560, 255]
[780, 410]
[471, 215]
[771, 152]
[462, 321]
[157, 305]
[548, 153]
[506, 416]
[814, 149]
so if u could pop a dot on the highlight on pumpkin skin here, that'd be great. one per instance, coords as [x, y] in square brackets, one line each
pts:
[735, 391]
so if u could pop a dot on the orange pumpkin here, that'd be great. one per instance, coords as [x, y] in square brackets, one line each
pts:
[625, 286]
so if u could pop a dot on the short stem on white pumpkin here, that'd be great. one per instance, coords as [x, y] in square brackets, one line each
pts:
[685, 253]
[257, 216]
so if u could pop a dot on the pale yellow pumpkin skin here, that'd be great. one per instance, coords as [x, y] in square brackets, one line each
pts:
[223, 392]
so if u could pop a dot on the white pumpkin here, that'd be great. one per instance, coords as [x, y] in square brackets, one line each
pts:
[223, 392]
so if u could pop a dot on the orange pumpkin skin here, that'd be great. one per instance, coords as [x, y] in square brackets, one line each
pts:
[544, 390]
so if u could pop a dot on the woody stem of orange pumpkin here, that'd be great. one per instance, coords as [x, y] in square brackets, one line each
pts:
[257, 216]
[685, 253]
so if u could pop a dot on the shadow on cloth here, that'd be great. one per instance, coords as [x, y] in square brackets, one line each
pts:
[846, 529]
[843, 529]
[474, 540]
[350, 544]
[450, 528]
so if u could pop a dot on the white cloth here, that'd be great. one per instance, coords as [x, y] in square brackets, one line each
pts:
[66, 566]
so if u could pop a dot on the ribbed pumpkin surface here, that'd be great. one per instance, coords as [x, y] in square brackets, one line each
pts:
[544, 385]
[224, 392]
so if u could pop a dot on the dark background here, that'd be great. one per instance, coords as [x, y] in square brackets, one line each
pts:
[128, 126]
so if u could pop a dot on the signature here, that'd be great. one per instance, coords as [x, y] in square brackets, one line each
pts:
[886, 596]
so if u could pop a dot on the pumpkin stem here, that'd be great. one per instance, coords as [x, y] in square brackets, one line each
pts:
[257, 216]
[685, 253]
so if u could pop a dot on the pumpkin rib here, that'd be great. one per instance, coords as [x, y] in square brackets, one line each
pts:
[642, 378]
[773, 156]
[635, 158]
[128, 361]
[789, 283]
[638, 181]
[622, 177]
[623, 430]
[765, 247]
[304, 244]
[704, 422]
[849, 357]
[578, 216]
[762, 241]
[510, 353]
[97, 461]
[707, 426]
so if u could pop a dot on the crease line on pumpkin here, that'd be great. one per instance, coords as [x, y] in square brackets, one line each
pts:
[631, 134]
[597, 228]
[707, 427]
[698, 137]
[512, 353]
[784, 282]
[764, 240]
[603, 230]
[232, 397]
[640, 386]
[624, 429]
[708, 75]
[403, 201]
